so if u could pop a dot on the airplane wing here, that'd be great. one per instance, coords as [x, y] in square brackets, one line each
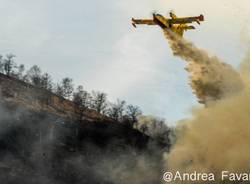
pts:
[186, 20]
[142, 21]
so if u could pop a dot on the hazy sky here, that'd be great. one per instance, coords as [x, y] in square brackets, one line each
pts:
[94, 43]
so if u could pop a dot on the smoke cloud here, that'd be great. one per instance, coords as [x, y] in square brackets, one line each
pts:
[217, 137]
[42, 148]
[156, 128]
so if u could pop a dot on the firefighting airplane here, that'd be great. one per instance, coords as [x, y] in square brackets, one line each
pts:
[175, 24]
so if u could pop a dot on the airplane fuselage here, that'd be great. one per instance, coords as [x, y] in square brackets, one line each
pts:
[166, 24]
[161, 21]
[174, 23]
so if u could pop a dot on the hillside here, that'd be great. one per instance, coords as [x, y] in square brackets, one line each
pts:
[38, 99]
[44, 139]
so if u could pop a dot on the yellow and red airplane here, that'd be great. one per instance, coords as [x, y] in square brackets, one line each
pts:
[175, 24]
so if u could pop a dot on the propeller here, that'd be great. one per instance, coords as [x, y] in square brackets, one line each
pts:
[171, 12]
[154, 12]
